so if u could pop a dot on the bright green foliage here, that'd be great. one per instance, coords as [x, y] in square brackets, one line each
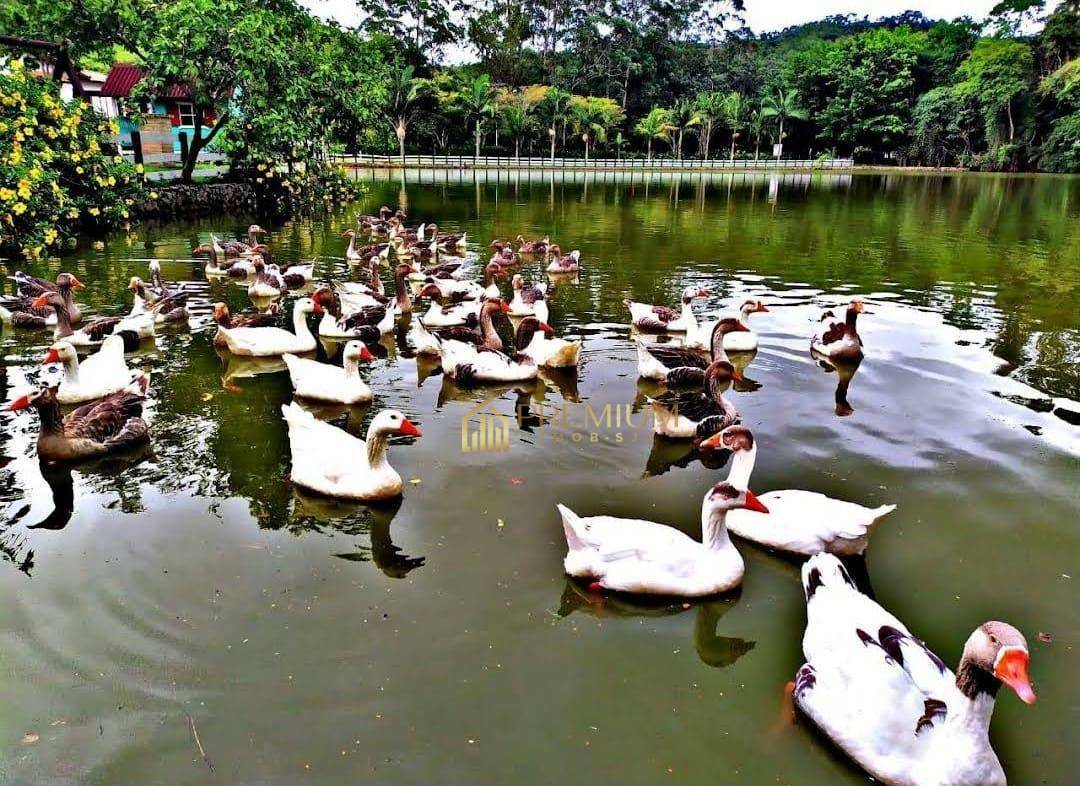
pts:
[655, 125]
[54, 174]
[712, 109]
[1061, 149]
[996, 75]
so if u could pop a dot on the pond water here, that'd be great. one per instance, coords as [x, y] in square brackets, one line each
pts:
[308, 641]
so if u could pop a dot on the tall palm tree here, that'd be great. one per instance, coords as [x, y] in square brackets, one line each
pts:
[783, 106]
[684, 116]
[555, 100]
[710, 107]
[589, 122]
[734, 110]
[516, 122]
[756, 124]
[655, 125]
[475, 98]
[402, 102]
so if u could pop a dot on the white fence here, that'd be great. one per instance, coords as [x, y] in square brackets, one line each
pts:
[656, 164]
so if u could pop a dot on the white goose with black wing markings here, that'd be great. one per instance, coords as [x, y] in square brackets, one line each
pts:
[889, 702]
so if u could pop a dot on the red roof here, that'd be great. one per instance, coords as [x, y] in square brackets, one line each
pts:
[123, 77]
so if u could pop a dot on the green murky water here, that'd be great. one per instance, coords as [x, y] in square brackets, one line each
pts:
[438, 641]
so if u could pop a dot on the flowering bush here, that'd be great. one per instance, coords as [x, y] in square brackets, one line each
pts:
[55, 177]
[307, 187]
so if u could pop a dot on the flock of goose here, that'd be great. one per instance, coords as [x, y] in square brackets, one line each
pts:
[868, 683]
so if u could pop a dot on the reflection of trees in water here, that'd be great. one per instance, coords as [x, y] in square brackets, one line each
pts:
[713, 650]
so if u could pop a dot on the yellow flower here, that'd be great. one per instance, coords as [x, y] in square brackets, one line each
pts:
[139, 168]
[79, 169]
[94, 211]
[19, 209]
[153, 194]
[73, 213]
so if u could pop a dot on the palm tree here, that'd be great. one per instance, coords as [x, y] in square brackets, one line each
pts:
[756, 124]
[516, 122]
[588, 122]
[474, 96]
[555, 100]
[734, 109]
[684, 116]
[783, 106]
[404, 94]
[655, 125]
[710, 107]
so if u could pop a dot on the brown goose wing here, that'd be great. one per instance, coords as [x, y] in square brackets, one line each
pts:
[676, 357]
[104, 418]
[369, 315]
[101, 327]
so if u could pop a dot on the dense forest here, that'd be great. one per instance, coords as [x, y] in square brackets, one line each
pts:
[618, 77]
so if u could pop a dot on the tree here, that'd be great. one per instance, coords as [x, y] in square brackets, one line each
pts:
[655, 125]
[402, 102]
[997, 75]
[475, 98]
[734, 110]
[684, 116]
[554, 103]
[424, 27]
[710, 108]
[781, 106]
[756, 124]
[592, 116]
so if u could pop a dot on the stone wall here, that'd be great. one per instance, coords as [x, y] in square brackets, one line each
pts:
[198, 200]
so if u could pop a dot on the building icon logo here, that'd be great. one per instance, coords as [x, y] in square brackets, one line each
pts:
[483, 430]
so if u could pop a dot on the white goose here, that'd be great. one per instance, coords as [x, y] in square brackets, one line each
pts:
[93, 332]
[331, 461]
[324, 382]
[467, 363]
[533, 339]
[889, 702]
[661, 319]
[744, 340]
[632, 555]
[530, 300]
[800, 522]
[98, 375]
[447, 316]
[267, 341]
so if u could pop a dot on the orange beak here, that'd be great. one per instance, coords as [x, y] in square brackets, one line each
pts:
[22, 402]
[366, 356]
[761, 308]
[544, 326]
[735, 375]
[1012, 669]
[52, 356]
[741, 328]
[76, 284]
[133, 286]
[753, 503]
[40, 302]
[713, 443]
[504, 307]
[703, 293]
[407, 429]
[859, 307]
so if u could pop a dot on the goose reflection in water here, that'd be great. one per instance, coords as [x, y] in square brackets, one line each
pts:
[327, 514]
[713, 650]
[845, 371]
[669, 453]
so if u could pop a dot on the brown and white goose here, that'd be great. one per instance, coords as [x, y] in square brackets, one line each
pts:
[481, 331]
[696, 413]
[662, 319]
[225, 319]
[677, 365]
[532, 246]
[839, 340]
[20, 311]
[90, 334]
[105, 425]
[890, 703]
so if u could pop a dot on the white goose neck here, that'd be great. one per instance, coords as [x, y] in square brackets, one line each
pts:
[376, 448]
[714, 532]
[352, 367]
[688, 313]
[742, 467]
[300, 323]
[71, 370]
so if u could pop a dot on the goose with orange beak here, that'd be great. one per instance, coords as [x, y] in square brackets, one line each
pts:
[324, 382]
[644, 557]
[331, 461]
[890, 703]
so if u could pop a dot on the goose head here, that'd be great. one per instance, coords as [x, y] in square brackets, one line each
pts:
[66, 280]
[201, 249]
[721, 372]
[306, 305]
[349, 233]
[357, 352]
[255, 229]
[389, 423]
[135, 284]
[690, 293]
[737, 439]
[517, 281]
[38, 398]
[753, 307]
[724, 497]
[60, 352]
[495, 305]
[999, 650]
[493, 268]
[221, 314]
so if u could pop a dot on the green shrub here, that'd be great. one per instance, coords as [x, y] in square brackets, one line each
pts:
[55, 177]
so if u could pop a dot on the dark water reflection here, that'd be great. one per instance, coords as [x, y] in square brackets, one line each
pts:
[194, 579]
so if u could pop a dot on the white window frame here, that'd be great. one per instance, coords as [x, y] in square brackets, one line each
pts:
[190, 113]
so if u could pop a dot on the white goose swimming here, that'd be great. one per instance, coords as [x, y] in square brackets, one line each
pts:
[800, 522]
[745, 340]
[98, 375]
[324, 382]
[889, 702]
[331, 461]
[632, 555]
[468, 363]
[661, 319]
[529, 299]
[268, 341]
[533, 339]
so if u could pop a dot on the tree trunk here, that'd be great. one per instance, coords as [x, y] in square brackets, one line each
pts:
[780, 139]
[680, 144]
[476, 137]
[553, 144]
[1012, 128]
[401, 142]
[706, 139]
[586, 152]
[733, 148]
[757, 146]
[198, 142]
[517, 151]
[648, 151]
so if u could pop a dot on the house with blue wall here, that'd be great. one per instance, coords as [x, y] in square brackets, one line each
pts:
[174, 102]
